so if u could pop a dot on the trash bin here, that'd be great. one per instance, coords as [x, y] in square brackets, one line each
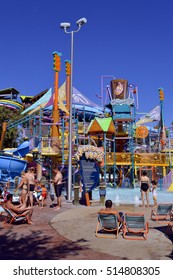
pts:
[76, 195]
[102, 193]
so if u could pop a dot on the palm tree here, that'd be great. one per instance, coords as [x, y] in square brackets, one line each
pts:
[8, 115]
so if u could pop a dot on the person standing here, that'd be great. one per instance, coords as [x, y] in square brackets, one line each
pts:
[154, 192]
[31, 180]
[51, 192]
[24, 185]
[145, 184]
[43, 195]
[58, 186]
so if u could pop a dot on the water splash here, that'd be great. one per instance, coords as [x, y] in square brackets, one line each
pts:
[137, 201]
[117, 200]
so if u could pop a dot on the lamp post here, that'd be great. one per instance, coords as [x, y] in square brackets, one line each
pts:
[65, 26]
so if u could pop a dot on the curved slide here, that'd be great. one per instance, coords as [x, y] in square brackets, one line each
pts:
[12, 164]
[22, 149]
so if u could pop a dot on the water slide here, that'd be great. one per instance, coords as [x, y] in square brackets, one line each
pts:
[22, 149]
[11, 164]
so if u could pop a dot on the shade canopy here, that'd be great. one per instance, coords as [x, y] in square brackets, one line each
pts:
[100, 125]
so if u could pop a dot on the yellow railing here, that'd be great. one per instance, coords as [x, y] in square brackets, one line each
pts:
[139, 158]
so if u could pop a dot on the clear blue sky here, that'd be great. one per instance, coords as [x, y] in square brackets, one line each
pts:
[130, 39]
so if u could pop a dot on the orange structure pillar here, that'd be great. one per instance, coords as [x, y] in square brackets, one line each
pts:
[55, 114]
[68, 90]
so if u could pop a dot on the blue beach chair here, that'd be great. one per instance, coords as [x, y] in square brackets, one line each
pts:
[135, 226]
[163, 213]
[14, 218]
[107, 226]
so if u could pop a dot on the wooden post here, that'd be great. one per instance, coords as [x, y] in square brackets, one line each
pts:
[4, 127]
[87, 198]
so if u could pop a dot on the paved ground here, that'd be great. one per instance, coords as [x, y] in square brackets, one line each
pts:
[70, 234]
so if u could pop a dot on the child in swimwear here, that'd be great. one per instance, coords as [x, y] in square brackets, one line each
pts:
[43, 195]
[154, 192]
[5, 192]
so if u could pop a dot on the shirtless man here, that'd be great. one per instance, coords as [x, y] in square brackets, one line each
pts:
[17, 209]
[58, 186]
[108, 209]
[31, 180]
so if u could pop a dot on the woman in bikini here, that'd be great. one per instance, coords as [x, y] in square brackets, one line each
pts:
[145, 184]
[24, 185]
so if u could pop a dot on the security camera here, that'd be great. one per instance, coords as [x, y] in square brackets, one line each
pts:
[65, 25]
[81, 21]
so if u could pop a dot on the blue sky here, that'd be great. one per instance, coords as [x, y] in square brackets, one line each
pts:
[130, 39]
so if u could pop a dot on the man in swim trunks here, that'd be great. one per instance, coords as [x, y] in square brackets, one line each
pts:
[109, 210]
[58, 186]
[31, 180]
[145, 184]
[17, 209]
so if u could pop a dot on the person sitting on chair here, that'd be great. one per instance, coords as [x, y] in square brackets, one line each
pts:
[108, 210]
[18, 209]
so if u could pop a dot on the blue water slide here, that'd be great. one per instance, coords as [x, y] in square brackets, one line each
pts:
[22, 149]
[12, 164]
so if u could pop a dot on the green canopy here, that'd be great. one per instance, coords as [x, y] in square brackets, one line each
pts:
[100, 125]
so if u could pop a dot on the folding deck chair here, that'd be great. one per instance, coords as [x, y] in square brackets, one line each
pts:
[14, 218]
[163, 213]
[107, 225]
[135, 226]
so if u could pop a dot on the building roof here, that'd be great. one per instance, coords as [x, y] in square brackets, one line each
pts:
[8, 91]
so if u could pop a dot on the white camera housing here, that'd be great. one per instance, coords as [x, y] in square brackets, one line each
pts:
[81, 21]
[65, 25]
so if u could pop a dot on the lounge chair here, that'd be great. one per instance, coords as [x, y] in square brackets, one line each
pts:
[163, 213]
[107, 226]
[14, 218]
[135, 226]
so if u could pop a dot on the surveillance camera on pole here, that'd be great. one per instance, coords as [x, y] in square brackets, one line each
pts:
[81, 21]
[65, 25]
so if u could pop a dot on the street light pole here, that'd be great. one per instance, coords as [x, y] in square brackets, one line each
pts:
[65, 26]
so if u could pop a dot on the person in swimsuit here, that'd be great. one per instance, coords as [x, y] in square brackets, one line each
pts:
[31, 179]
[154, 192]
[24, 185]
[17, 209]
[108, 209]
[145, 184]
[58, 186]
[43, 195]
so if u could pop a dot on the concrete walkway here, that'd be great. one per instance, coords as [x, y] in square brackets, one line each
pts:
[69, 234]
[79, 225]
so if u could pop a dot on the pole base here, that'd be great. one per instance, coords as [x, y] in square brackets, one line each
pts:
[69, 201]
